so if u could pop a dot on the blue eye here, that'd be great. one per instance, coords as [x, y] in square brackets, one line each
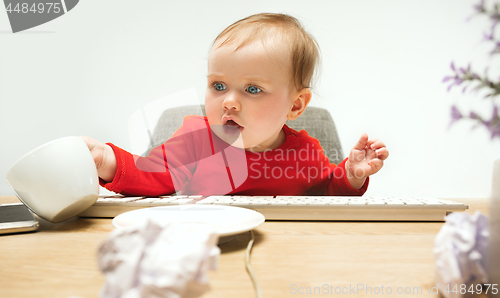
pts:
[219, 87]
[253, 89]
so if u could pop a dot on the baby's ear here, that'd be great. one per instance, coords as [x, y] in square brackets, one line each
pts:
[301, 100]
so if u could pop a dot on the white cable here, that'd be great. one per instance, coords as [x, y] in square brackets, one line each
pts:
[249, 268]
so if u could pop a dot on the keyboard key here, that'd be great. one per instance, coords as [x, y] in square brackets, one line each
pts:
[281, 203]
[357, 203]
[395, 203]
[240, 203]
[375, 203]
[164, 201]
[207, 201]
[181, 201]
[299, 203]
[432, 203]
[117, 196]
[196, 197]
[104, 201]
[450, 203]
[413, 203]
[323, 203]
[148, 200]
[118, 200]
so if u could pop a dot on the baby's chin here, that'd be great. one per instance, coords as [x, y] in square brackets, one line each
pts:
[230, 135]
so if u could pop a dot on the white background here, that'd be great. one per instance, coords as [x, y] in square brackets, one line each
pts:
[86, 72]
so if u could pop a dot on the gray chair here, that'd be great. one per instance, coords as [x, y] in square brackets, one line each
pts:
[316, 121]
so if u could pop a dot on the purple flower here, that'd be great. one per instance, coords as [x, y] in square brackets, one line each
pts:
[496, 49]
[475, 81]
[495, 130]
[447, 78]
[479, 7]
[455, 115]
[488, 36]
[457, 82]
[473, 115]
[494, 123]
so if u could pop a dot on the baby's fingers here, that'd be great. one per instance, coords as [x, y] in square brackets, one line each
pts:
[96, 150]
[88, 141]
[379, 148]
[382, 153]
[91, 143]
[362, 142]
[375, 144]
[376, 165]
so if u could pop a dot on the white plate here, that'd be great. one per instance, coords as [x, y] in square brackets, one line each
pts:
[228, 220]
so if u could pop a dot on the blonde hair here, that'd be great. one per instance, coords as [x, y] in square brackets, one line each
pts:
[289, 31]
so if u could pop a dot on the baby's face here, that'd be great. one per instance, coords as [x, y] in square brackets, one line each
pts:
[249, 95]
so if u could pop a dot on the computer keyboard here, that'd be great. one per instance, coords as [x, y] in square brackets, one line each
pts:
[296, 207]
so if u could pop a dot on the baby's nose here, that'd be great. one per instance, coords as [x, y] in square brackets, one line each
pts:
[231, 102]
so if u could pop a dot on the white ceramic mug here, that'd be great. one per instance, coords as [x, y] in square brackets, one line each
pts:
[57, 180]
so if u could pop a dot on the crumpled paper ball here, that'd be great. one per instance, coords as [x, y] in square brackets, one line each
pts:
[167, 260]
[461, 252]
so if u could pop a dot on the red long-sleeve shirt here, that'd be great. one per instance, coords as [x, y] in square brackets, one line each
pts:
[195, 161]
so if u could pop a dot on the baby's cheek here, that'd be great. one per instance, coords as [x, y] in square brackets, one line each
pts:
[211, 114]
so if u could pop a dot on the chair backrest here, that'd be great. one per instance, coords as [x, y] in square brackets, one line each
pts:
[319, 124]
[316, 121]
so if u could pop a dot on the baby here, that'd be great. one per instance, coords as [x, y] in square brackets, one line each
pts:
[259, 76]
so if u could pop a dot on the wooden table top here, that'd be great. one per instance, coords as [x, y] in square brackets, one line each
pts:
[288, 258]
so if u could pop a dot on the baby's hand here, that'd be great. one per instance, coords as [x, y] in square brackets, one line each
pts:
[366, 158]
[104, 158]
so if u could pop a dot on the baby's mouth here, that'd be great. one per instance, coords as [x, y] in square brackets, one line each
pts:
[233, 123]
[231, 127]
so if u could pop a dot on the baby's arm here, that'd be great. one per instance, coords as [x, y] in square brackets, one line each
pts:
[366, 158]
[104, 158]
